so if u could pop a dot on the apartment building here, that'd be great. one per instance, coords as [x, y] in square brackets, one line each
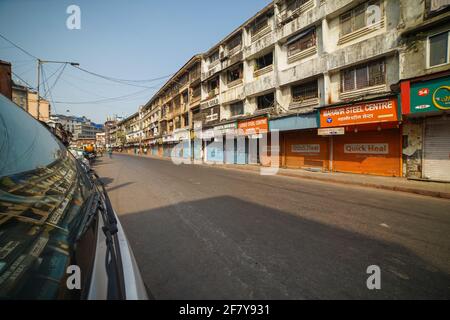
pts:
[327, 75]
[425, 89]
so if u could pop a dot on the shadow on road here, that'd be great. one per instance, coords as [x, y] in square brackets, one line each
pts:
[227, 248]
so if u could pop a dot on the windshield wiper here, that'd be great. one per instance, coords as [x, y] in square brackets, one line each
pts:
[110, 230]
[92, 206]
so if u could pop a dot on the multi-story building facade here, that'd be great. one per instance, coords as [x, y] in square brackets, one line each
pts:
[5, 79]
[26, 98]
[325, 74]
[20, 96]
[425, 88]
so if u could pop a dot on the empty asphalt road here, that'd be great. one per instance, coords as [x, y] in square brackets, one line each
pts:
[200, 232]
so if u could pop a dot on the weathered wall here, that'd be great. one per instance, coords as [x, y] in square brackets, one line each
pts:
[412, 149]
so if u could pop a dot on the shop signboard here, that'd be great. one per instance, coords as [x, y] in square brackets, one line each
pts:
[360, 113]
[305, 148]
[331, 131]
[433, 95]
[367, 148]
[254, 126]
[227, 128]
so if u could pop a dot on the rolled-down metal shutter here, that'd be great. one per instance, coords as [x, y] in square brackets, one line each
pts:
[436, 165]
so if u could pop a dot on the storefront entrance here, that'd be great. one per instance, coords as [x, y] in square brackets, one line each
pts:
[368, 152]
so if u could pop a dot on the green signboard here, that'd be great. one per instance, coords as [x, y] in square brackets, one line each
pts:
[429, 96]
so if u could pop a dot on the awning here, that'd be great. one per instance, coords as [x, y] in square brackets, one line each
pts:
[300, 35]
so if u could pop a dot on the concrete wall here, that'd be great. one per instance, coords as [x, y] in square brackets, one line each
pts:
[413, 56]
[44, 107]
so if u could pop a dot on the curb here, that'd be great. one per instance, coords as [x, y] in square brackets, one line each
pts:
[429, 193]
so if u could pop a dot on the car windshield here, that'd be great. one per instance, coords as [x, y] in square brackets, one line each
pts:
[42, 193]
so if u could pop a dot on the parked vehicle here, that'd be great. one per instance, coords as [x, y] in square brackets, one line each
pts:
[79, 155]
[59, 235]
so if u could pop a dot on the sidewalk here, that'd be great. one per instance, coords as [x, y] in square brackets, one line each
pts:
[433, 189]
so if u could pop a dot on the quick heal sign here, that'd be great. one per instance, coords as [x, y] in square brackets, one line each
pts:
[430, 96]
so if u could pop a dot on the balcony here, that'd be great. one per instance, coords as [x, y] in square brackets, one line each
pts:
[213, 93]
[290, 14]
[217, 67]
[233, 94]
[264, 42]
[305, 105]
[363, 92]
[302, 54]
[194, 100]
[299, 20]
[260, 72]
[231, 60]
[263, 83]
[195, 76]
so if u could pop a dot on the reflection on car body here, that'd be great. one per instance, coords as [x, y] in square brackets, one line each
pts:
[52, 215]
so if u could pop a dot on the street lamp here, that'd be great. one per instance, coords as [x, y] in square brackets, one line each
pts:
[40, 63]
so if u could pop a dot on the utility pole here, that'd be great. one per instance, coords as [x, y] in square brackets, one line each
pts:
[38, 87]
[39, 66]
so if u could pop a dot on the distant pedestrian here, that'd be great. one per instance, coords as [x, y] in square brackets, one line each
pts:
[110, 152]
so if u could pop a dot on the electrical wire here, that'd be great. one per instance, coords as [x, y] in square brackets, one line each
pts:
[121, 80]
[104, 100]
[18, 77]
[18, 47]
[57, 78]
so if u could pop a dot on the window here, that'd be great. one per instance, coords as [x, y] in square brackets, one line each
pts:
[196, 91]
[291, 5]
[266, 101]
[214, 57]
[305, 91]
[186, 119]
[234, 74]
[363, 76]
[439, 49]
[237, 109]
[234, 42]
[213, 86]
[264, 61]
[359, 17]
[185, 97]
[259, 24]
[302, 43]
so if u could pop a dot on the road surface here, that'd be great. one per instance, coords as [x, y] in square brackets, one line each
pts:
[202, 232]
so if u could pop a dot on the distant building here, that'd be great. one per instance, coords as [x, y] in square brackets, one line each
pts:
[86, 130]
[27, 99]
[81, 128]
[5, 79]
[100, 140]
[20, 96]
[43, 112]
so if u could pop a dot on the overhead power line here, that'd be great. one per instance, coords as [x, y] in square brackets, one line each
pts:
[121, 80]
[104, 100]
[18, 47]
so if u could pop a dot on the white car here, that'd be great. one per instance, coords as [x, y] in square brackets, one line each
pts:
[59, 235]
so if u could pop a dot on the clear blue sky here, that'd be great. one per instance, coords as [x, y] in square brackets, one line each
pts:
[134, 39]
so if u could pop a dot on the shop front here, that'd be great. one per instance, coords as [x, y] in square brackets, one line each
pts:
[183, 145]
[153, 147]
[213, 146]
[301, 147]
[253, 131]
[196, 141]
[363, 137]
[426, 107]
[228, 133]
[169, 143]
